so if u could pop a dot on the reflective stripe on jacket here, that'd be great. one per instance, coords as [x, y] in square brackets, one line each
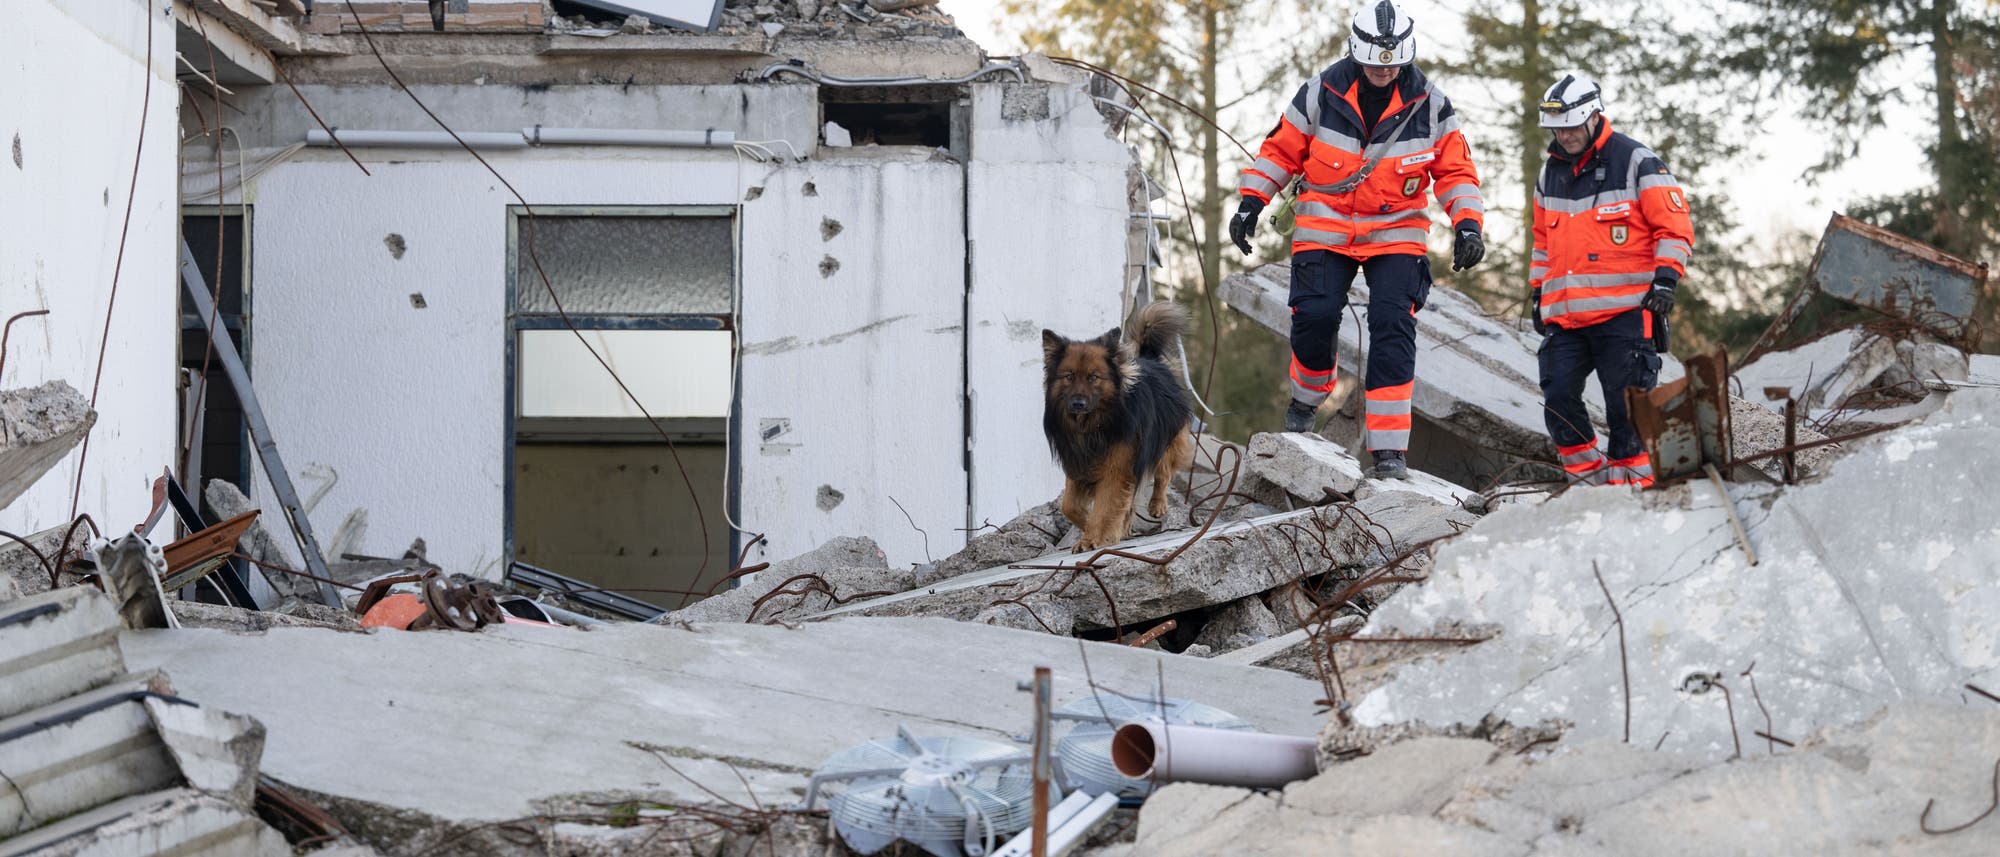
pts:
[1607, 224]
[1320, 139]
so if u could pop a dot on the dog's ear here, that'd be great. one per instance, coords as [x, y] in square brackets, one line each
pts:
[1052, 346]
[1110, 339]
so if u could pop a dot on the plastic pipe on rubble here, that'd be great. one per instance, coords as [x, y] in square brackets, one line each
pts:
[1225, 757]
[535, 135]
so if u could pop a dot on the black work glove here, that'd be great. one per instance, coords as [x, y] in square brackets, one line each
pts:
[1468, 247]
[1659, 301]
[1244, 224]
[1541, 329]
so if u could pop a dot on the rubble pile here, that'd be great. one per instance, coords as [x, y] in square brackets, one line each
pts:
[1880, 786]
[863, 19]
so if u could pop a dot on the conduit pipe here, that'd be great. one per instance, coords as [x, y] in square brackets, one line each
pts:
[417, 139]
[537, 135]
[706, 139]
[1150, 750]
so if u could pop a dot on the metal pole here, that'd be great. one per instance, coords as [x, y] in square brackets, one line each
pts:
[1041, 829]
[260, 432]
[1791, 440]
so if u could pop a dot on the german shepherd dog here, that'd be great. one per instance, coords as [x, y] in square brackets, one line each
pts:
[1114, 412]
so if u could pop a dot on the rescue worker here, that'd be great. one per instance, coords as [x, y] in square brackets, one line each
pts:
[1365, 138]
[1612, 241]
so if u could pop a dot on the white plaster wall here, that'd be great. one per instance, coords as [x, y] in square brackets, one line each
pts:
[866, 364]
[1048, 214]
[406, 404]
[74, 74]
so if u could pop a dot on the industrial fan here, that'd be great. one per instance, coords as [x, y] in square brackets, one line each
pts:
[952, 797]
[1084, 754]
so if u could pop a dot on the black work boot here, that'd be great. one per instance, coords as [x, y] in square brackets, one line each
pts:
[1299, 416]
[1389, 464]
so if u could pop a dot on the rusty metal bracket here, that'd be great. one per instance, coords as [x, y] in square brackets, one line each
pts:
[1685, 423]
[1871, 267]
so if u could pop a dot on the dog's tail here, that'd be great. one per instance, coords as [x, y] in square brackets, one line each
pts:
[1156, 328]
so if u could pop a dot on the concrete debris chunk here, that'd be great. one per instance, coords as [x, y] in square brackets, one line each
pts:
[1857, 378]
[54, 645]
[38, 426]
[1875, 583]
[1235, 560]
[1031, 534]
[173, 821]
[1240, 623]
[1855, 790]
[227, 501]
[843, 568]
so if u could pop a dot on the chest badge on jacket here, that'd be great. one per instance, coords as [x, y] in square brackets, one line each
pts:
[1619, 233]
[1410, 185]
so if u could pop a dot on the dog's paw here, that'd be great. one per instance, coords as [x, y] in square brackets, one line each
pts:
[1084, 545]
[1157, 510]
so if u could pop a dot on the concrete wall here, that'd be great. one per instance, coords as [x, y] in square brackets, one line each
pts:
[66, 169]
[855, 346]
[1049, 219]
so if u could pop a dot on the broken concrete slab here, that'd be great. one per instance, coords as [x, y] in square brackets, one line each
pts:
[1292, 651]
[38, 426]
[1477, 377]
[215, 751]
[769, 701]
[1238, 624]
[227, 501]
[54, 645]
[1874, 583]
[1029, 535]
[1235, 560]
[1857, 378]
[175, 821]
[1754, 430]
[850, 567]
[1856, 790]
[195, 614]
[81, 752]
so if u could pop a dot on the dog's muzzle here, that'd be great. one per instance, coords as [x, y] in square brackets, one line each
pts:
[1078, 406]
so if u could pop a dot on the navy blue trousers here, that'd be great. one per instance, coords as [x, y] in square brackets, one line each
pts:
[1621, 354]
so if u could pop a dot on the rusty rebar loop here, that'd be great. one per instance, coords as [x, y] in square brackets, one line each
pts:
[1768, 726]
[1729, 706]
[1924, 821]
[1624, 662]
[8, 333]
[54, 579]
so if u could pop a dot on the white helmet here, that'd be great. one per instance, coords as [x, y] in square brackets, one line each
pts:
[1571, 102]
[1382, 35]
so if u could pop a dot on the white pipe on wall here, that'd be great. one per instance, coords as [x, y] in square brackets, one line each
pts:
[417, 139]
[534, 135]
[1148, 750]
[707, 139]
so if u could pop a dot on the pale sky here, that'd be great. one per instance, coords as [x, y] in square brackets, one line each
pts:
[1768, 193]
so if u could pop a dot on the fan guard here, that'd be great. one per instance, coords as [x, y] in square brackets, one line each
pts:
[951, 796]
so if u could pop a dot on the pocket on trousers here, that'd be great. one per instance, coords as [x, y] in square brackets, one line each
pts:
[1423, 295]
[1645, 368]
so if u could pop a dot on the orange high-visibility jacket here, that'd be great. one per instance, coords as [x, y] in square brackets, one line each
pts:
[1607, 224]
[1320, 139]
